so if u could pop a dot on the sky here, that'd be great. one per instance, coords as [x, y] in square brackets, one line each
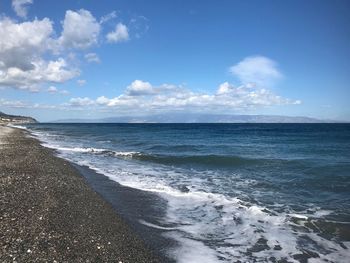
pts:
[95, 59]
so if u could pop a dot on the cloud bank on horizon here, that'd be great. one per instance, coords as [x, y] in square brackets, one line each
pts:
[142, 96]
[40, 55]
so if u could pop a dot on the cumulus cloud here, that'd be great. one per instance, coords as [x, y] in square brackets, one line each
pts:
[56, 71]
[23, 46]
[139, 87]
[21, 43]
[51, 71]
[259, 70]
[80, 29]
[142, 95]
[119, 34]
[225, 88]
[81, 101]
[21, 7]
[22, 50]
[102, 100]
[92, 58]
[33, 54]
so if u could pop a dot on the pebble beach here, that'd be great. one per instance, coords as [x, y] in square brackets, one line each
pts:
[49, 214]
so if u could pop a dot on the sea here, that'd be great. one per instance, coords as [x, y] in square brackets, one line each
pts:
[222, 192]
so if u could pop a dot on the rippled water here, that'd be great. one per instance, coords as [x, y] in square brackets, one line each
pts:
[249, 192]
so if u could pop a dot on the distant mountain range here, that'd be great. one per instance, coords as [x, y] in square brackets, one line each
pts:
[199, 118]
[6, 118]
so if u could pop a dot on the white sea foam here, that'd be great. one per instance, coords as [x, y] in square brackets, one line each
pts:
[90, 150]
[321, 213]
[191, 250]
[200, 217]
[156, 226]
[17, 126]
[299, 216]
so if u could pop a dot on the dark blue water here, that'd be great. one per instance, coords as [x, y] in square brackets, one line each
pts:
[249, 192]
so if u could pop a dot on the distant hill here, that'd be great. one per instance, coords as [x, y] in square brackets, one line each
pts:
[6, 118]
[199, 118]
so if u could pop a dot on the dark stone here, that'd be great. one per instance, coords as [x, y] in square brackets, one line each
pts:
[277, 247]
[237, 220]
[184, 189]
[260, 245]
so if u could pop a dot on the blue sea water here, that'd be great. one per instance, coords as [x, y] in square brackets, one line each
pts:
[233, 192]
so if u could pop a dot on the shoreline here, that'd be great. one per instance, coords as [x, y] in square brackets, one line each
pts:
[50, 212]
[134, 206]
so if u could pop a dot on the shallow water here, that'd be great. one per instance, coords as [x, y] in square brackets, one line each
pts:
[249, 192]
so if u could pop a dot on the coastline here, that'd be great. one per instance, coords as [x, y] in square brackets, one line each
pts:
[50, 213]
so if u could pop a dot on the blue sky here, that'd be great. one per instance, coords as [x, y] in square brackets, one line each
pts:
[91, 59]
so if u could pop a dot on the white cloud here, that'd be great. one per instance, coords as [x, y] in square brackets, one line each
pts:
[12, 103]
[52, 89]
[81, 102]
[80, 30]
[31, 54]
[57, 71]
[108, 17]
[81, 82]
[20, 43]
[51, 71]
[138, 26]
[139, 87]
[27, 105]
[225, 88]
[141, 95]
[259, 70]
[92, 57]
[21, 7]
[120, 34]
[22, 48]
[102, 100]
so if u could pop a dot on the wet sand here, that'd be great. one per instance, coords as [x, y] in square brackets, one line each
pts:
[49, 213]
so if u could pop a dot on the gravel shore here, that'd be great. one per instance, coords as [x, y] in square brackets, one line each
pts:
[49, 214]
